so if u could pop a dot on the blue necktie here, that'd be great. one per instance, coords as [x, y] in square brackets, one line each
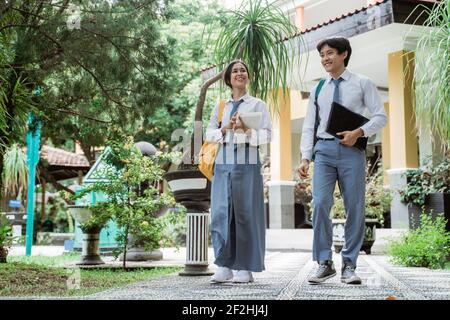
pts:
[233, 111]
[235, 107]
[336, 89]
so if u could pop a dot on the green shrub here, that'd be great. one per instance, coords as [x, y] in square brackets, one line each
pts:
[6, 237]
[427, 246]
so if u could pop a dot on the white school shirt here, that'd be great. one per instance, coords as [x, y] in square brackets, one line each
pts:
[356, 92]
[252, 136]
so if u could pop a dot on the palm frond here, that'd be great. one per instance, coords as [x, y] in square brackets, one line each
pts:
[257, 33]
[15, 170]
[432, 72]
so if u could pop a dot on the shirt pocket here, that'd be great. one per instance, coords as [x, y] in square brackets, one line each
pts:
[353, 97]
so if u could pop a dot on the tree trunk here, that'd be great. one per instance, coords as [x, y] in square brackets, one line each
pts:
[87, 152]
[124, 264]
[198, 124]
[2, 152]
[3, 254]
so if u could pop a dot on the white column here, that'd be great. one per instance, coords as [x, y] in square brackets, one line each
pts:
[399, 211]
[281, 204]
[197, 241]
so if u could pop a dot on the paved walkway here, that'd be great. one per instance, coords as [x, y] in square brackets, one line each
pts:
[288, 264]
[285, 279]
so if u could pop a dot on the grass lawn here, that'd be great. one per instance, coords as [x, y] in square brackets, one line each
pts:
[41, 276]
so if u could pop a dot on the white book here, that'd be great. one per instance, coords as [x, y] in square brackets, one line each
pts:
[251, 120]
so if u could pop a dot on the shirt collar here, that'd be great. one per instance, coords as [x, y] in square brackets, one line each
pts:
[245, 97]
[345, 75]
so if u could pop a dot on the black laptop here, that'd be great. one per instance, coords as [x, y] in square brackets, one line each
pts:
[343, 119]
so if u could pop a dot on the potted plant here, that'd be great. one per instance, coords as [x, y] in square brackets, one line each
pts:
[6, 238]
[92, 218]
[428, 190]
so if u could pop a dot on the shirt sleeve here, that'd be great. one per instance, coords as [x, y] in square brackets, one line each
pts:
[307, 140]
[213, 132]
[372, 101]
[264, 134]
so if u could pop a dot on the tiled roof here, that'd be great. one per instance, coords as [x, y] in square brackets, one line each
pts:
[345, 15]
[62, 158]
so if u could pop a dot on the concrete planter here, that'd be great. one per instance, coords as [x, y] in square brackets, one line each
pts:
[90, 254]
[369, 235]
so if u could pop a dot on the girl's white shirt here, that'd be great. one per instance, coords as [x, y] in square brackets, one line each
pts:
[254, 137]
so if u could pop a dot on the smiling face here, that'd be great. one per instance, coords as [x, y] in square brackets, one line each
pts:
[239, 76]
[332, 61]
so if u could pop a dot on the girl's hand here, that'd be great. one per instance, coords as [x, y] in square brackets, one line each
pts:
[228, 126]
[238, 124]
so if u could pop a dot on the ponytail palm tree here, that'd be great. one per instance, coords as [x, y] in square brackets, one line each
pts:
[15, 171]
[257, 33]
[432, 71]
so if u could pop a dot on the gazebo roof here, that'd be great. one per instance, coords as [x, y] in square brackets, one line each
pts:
[63, 158]
[62, 164]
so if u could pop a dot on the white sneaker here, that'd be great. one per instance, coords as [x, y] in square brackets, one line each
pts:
[223, 274]
[243, 276]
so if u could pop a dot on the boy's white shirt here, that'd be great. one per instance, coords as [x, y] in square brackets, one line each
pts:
[358, 93]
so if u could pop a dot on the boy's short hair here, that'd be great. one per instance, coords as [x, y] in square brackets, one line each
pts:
[341, 44]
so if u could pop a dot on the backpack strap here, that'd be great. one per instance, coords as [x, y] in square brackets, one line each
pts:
[319, 87]
[221, 108]
[317, 118]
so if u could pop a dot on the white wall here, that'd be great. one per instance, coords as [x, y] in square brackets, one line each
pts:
[319, 11]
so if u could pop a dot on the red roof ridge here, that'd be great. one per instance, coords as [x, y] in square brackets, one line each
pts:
[344, 15]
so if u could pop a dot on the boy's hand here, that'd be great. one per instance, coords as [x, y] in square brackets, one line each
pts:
[350, 137]
[303, 169]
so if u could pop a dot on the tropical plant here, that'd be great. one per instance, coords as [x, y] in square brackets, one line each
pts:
[440, 177]
[432, 71]
[427, 246]
[423, 181]
[417, 187]
[256, 33]
[15, 171]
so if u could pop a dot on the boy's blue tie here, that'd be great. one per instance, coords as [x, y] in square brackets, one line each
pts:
[336, 89]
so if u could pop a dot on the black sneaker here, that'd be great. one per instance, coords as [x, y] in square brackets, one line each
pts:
[348, 274]
[325, 271]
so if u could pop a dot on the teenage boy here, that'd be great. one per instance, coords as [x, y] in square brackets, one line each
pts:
[338, 159]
